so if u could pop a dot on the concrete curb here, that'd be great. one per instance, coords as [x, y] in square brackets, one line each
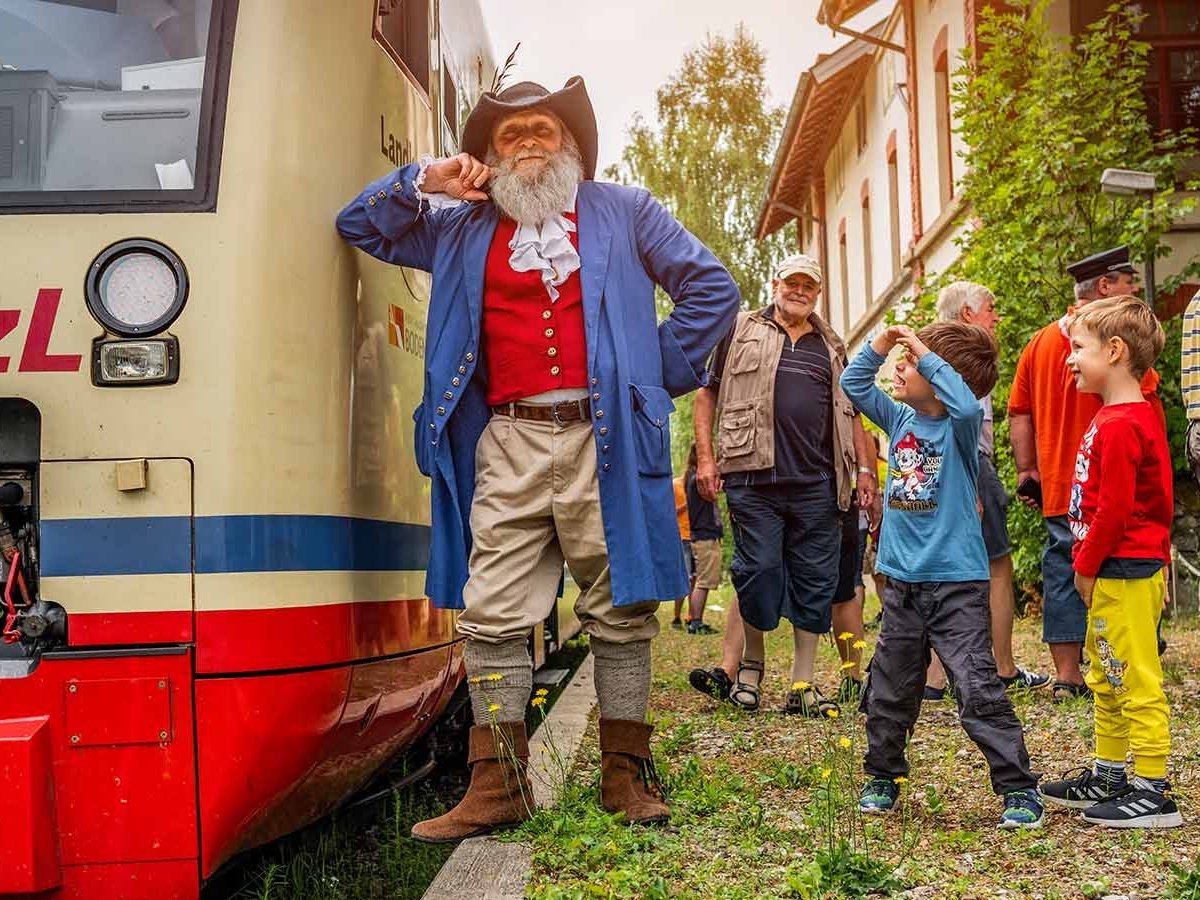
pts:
[484, 868]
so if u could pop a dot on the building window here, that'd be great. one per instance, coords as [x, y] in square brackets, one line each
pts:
[868, 285]
[893, 176]
[860, 124]
[941, 89]
[1172, 29]
[837, 167]
[844, 277]
[402, 28]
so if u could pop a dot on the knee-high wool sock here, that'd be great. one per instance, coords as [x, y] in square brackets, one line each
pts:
[500, 677]
[622, 679]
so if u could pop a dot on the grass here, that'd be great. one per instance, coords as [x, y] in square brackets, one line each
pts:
[764, 805]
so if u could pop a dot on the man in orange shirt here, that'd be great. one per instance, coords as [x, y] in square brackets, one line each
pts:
[1047, 419]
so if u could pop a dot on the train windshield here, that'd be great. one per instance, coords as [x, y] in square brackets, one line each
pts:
[101, 96]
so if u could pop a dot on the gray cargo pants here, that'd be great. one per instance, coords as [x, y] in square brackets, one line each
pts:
[952, 617]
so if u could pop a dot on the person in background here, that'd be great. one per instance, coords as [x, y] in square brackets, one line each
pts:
[1120, 512]
[786, 455]
[704, 519]
[685, 535]
[1047, 419]
[974, 304]
[936, 595]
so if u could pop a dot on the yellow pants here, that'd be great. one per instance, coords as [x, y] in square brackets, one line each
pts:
[1126, 675]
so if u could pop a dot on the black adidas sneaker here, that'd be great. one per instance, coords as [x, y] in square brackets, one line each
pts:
[1136, 807]
[1080, 789]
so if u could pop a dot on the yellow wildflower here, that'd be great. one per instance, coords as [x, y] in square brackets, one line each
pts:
[541, 692]
[844, 743]
[495, 676]
[845, 636]
[859, 645]
[847, 665]
[825, 773]
[833, 713]
[800, 685]
[478, 679]
[495, 707]
[900, 779]
[537, 701]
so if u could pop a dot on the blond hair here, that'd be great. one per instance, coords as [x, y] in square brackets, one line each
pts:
[1128, 318]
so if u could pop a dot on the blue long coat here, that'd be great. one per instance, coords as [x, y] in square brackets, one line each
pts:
[627, 243]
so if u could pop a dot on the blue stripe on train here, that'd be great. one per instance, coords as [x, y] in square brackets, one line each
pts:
[162, 545]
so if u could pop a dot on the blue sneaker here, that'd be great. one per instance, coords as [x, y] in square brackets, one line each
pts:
[878, 796]
[1022, 809]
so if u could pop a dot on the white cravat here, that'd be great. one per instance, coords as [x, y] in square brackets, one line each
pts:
[544, 248]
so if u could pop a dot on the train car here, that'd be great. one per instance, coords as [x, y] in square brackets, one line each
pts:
[212, 531]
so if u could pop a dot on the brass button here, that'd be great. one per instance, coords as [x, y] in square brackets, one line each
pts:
[549, 332]
[448, 395]
[456, 381]
[554, 370]
[553, 351]
[603, 430]
[441, 410]
[462, 370]
[470, 357]
[382, 195]
[545, 313]
[398, 186]
[371, 201]
[599, 414]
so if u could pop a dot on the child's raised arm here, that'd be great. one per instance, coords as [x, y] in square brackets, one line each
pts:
[947, 384]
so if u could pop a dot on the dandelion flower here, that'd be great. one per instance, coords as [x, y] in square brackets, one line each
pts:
[495, 707]
[541, 692]
[825, 773]
[845, 636]
[844, 743]
[847, 665]
[475, 680]
[800, 685]
[859, 645]
[900, 779]
[538, 701]
[833, 714]
[495, 676]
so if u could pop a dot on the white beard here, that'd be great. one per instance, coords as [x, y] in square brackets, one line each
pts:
[532, 199]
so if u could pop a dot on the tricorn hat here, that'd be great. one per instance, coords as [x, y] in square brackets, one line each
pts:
[571, 104]
[1114, 260]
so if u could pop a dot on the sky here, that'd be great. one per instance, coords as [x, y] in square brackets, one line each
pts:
[626, 49]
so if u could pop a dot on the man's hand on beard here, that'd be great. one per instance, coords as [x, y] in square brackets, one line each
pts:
[460, 176]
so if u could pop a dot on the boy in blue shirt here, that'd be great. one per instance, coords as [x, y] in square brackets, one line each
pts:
[932, 552]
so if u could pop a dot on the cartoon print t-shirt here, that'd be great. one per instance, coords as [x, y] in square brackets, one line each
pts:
[931, 529]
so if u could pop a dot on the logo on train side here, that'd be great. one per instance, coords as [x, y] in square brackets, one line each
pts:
[36, 355]
[409, 340]
[399, 151]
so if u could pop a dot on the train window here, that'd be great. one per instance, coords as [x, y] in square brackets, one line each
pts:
[402, 28]
[449, 98]
[102, 101]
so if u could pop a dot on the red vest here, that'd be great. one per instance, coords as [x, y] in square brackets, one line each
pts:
[530, 344]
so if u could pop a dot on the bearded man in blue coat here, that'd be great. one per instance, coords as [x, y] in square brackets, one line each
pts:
[544, 422]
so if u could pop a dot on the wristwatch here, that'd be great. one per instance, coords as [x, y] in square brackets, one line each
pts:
[867, 470]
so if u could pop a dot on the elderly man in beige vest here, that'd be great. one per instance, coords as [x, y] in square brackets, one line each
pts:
[791, 453]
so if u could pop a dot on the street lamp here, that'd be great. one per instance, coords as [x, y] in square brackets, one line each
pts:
[1133, 183]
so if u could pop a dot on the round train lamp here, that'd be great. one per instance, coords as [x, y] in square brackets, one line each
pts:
[136, 287]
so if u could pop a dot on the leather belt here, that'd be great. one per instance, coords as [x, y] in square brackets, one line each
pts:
[562, 412]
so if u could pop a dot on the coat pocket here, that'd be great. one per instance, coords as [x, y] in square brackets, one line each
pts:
[652, 408]
[422, 448]
[745, 356]
[736, 435]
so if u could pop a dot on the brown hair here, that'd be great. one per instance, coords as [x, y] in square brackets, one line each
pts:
[970, 350]
[1128, 318]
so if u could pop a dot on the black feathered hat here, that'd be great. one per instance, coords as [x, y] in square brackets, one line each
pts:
[571, 104]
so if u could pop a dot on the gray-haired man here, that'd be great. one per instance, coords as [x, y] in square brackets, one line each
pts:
[974, 304]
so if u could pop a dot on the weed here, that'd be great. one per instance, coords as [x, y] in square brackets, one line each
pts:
[1185, 882]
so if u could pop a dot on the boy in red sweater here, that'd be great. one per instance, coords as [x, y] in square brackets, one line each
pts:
[1120, 514]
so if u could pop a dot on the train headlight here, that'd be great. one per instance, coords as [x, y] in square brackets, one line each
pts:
[132, 363]
[136, 287]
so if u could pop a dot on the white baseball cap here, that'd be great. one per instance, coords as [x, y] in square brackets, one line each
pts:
[798, 263]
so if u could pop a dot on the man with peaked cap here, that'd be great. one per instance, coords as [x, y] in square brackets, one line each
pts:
[544, 425]
[1047, 419]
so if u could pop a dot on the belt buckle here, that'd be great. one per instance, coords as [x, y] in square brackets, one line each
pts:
[557, 403]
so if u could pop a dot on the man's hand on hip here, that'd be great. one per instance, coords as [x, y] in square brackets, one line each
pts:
[708, 479]
[460, 176]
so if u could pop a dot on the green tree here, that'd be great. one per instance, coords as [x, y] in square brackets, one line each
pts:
[1043, 116]
[707, 160]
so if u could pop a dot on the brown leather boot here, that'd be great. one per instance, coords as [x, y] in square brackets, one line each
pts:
[499, 795]
[628, 782]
